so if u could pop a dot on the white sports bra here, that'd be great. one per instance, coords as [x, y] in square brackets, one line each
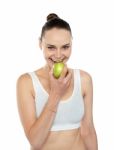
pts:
[69, 112]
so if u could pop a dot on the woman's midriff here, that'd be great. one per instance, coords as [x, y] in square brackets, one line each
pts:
[64, 140]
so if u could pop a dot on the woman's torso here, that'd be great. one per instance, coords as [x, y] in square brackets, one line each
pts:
[66, 139]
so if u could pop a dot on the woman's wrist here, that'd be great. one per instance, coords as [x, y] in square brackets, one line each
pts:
[54, 95]
[51, 109]
[53, 101]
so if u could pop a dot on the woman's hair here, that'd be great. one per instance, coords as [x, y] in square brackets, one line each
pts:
[53, 21]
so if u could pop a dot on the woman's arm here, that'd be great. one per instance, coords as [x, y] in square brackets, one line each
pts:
[36, 129]
[88, 132]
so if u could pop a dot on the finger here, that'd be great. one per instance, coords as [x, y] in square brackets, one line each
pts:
[69, 76]
[51, 71]
[51, 74]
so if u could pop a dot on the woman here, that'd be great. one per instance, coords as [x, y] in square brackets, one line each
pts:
[56, 113]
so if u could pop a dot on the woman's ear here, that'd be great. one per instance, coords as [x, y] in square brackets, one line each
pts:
[40, 43]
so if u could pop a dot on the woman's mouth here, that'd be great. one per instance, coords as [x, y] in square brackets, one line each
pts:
[55, 61]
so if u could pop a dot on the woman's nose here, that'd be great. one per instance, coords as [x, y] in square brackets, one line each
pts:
[58, 53]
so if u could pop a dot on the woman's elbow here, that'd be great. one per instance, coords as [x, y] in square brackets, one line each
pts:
[88, 132]
[35, 145]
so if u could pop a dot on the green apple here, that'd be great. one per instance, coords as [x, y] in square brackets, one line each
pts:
[57, 69]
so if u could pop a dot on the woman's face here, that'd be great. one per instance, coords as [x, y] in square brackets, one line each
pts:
[56, 45]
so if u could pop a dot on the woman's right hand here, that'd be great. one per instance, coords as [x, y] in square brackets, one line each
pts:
[59, 86]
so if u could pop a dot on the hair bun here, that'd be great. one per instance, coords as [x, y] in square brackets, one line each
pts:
[52, 16]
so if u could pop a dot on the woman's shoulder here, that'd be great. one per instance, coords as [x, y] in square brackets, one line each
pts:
[25, 77]
[24, 81]
[85, 75]
[86, 79]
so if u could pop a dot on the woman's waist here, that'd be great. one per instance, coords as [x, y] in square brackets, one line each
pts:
[62, 140]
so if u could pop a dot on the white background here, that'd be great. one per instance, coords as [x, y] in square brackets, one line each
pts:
[92, 23]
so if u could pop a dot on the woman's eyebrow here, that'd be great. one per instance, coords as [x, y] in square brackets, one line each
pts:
[50, 45]
[68, 44]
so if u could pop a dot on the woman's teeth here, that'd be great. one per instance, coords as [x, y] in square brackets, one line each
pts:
[53, 61]
[56, 61]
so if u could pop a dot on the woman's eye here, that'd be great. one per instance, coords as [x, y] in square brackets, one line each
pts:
[51, 48]
[66, 47]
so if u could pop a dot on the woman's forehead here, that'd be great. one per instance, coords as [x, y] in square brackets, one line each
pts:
[57, 36]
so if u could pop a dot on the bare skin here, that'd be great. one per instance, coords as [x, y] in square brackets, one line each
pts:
[56, 45]
[68, 140]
